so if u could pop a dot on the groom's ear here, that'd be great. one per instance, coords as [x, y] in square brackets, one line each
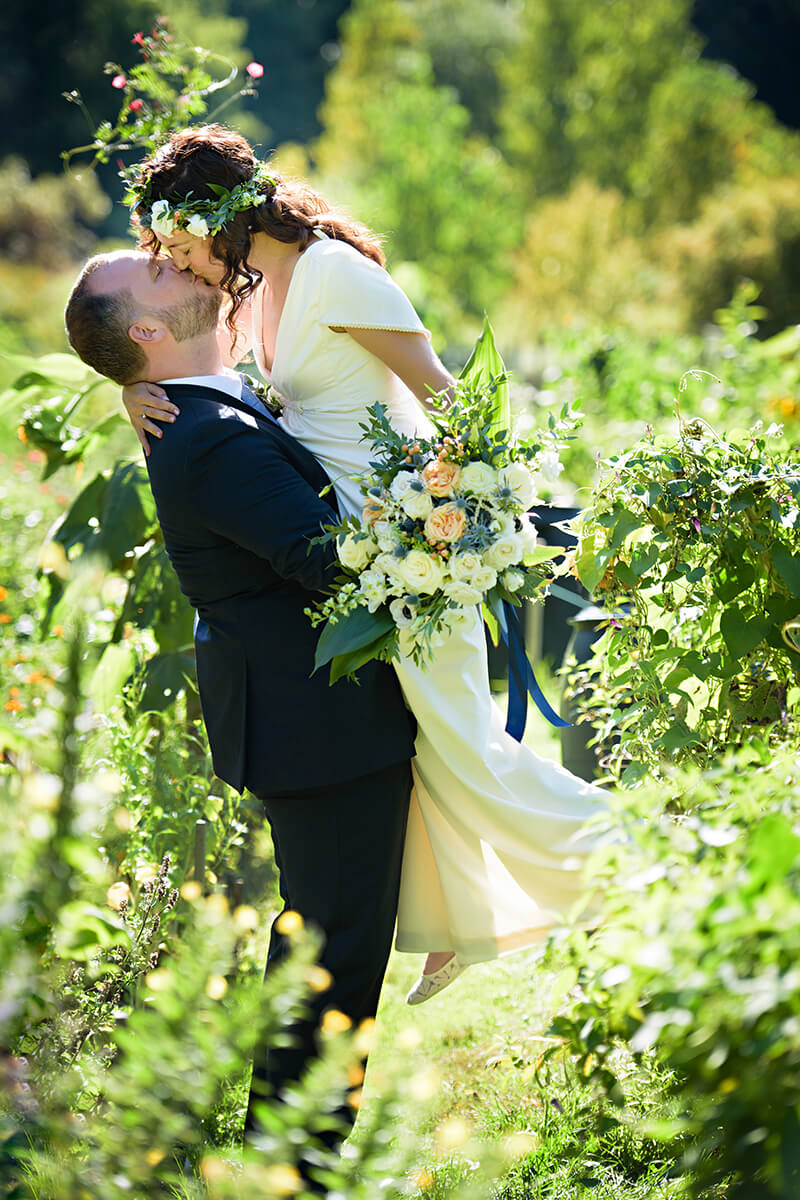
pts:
[146, 333]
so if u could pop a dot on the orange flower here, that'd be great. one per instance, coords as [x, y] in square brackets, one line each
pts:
[13, 692]
[58, 631]
[446, 523]
[22, 435]
[13, 706]
[441, 476]
[4, 618]
[3, 592]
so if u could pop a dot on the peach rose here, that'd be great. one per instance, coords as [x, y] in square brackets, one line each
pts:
[447, 523]
[441, 476]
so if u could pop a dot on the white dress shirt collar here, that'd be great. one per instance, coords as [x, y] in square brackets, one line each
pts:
[230, 383]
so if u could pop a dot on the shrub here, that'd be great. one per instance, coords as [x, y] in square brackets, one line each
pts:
[746, 230]
[696, 972]
[699, 537]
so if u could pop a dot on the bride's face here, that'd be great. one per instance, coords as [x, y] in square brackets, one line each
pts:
[190, 253]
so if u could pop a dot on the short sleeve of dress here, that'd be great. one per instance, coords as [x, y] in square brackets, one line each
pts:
[356, 293]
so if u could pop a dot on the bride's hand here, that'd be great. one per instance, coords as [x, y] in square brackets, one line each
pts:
[144, 404]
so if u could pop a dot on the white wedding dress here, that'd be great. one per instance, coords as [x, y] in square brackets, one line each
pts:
[495, 843]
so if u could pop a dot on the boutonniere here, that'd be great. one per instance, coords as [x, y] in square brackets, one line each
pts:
[266, 393]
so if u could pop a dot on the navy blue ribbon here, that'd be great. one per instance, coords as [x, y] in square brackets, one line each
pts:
[521, 679]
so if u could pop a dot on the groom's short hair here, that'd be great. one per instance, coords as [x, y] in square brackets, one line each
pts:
[97, 327]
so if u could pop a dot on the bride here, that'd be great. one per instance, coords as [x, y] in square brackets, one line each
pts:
[495, 841]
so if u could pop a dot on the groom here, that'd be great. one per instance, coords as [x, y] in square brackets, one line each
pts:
[238, 503]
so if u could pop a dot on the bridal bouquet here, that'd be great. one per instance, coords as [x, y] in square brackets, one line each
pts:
[445, 525]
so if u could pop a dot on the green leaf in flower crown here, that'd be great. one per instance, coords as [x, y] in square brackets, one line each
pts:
[351, 632]
[485, 365]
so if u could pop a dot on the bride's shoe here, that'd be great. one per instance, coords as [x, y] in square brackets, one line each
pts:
[428, 985]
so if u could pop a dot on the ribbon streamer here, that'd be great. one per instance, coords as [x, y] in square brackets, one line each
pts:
[521, 679]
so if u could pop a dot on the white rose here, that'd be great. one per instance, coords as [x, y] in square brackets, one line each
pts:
[197, 226]
[513, 579]
[354, 552]
[160, 219]
[464, 565]
[372, 585]
[518, 479]
[461, 593]
[478, 478]
[420, 572]
[386, 535]
[401, 483]
[417, 504]
[484, 578]
[389, 565]
[504, 552]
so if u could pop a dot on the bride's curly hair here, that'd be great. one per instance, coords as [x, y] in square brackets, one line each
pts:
[194, 158]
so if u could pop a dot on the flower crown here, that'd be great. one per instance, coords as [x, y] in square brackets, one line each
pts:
[200, 217]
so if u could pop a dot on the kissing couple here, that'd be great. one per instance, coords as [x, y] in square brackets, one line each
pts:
[400, 796]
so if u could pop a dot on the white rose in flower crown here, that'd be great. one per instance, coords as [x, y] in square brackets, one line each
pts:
[401, 483]
[464, 565]
[386, 534]
[160, 219]
[512, 579]
[418, 505]
[519, 480]
[420, 572]
[461, 593]
[372, 586]
[197, 226]
[354, 553]
[478, 478]
[503, 553]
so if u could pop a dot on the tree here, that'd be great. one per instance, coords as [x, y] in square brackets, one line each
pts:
[467, 40]
[704, 129]
[400, 147]
[577, 86]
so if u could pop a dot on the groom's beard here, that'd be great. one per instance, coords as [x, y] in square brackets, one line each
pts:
[194, 316]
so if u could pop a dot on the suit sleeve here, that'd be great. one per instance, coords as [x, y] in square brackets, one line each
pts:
[245, 490]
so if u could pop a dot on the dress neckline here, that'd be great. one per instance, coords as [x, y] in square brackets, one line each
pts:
[259, 339]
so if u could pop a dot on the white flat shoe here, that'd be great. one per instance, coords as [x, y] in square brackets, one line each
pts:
[428, 985]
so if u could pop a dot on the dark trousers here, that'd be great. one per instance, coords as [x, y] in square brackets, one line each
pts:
[338, 851]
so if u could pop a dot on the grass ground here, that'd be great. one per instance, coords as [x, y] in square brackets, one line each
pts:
[471, 1058]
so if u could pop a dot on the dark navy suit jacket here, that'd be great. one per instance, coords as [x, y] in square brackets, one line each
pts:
[238, 502]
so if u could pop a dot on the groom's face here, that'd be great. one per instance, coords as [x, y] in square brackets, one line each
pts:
[158, 286]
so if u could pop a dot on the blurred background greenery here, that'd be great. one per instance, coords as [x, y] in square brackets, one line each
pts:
[557, 164]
